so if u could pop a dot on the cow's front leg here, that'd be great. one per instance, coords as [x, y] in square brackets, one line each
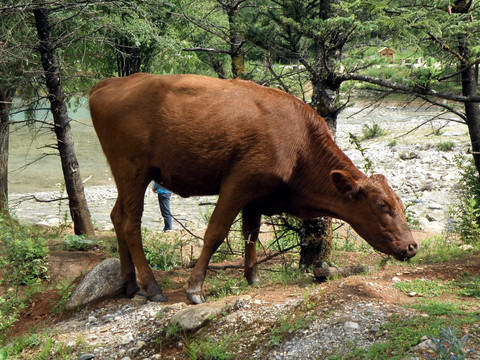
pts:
[251, 228]
[222, 218]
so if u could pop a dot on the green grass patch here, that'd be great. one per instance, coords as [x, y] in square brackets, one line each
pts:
[424, 287]
[224, 284]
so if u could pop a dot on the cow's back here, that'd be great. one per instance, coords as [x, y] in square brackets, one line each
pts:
[192, 131]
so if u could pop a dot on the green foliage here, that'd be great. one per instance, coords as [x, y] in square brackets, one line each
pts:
[77, 242]
[424, 287]
[284, 327]
[466, 210]
[438, 249]
[449, 346]
[404, 333]
[372, 131]
[354, 140]
[3, 354]
[24, 256]
[469, 285]
[225, 284]
[439, 308]
[161, 252]
[212, 349]
[350, 242]
[446, 146]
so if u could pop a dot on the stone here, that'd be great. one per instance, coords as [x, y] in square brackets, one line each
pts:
[194, 317]
[126, 339]
[102, 281]
[87, 357]
[409, 155]
[424, 345]
[350, 326]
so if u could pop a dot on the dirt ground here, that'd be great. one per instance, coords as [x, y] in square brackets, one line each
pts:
[378, 284]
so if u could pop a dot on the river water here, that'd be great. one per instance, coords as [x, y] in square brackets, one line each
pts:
[44, 177]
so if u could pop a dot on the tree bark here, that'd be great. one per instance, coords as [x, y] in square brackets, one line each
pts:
[316, 245]
[469, 85]
[77, 202]
[237, 52]
[128, 57]
[6, 96]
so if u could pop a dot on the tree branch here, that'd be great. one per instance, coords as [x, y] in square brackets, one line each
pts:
[409, 89]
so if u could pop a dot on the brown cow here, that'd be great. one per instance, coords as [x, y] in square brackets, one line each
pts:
[262, 150]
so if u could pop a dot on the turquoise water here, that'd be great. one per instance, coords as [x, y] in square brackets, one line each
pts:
[29, 144]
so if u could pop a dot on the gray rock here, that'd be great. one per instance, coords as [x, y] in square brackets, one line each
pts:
[425, 345]
[102, 281]
[350, 326]
[194, 317]
[126, 339]
[409, 155]
[86, 357]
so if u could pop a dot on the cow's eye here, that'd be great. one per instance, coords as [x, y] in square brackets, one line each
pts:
[382, 205]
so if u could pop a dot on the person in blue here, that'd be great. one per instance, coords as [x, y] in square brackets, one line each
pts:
[164, 196]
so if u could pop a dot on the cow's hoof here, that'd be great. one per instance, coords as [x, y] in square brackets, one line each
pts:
[195, 298]
[157, 298]
[154, 298]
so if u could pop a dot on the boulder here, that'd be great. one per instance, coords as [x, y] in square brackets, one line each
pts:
[102, 281]
[194, 317]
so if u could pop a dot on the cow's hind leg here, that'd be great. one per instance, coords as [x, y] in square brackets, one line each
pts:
[128, 274]
[251, 228]
[126, 217]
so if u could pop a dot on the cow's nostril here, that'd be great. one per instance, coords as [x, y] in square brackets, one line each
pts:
[412, 249]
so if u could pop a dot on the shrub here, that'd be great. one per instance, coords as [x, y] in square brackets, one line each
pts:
[24, 256]
[162, 253]
[371, 132]
[77, 242]
[466, 210]
[446, 146]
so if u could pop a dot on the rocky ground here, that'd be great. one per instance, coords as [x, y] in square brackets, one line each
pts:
[333, 318]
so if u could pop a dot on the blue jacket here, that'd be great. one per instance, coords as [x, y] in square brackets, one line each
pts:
[160, 189]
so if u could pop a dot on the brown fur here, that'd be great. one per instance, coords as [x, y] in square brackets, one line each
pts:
[262, 150]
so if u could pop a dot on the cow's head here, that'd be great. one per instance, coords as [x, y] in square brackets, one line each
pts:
[376, 213]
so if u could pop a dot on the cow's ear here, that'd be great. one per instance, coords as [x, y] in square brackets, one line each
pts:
[344, 182]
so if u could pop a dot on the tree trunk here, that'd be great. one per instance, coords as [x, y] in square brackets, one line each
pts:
[469, 86]
[237, 52]
[128, 57]
[316, 245]
[5, 99]
[77, 202]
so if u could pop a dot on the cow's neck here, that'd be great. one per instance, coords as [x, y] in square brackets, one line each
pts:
[314, 188]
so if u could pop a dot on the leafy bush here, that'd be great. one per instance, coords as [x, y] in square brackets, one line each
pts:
[77, 242]
[446, 146]
[449, 346]
[371, 132]
[466, 210]
[24, 253]
[161, 252]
